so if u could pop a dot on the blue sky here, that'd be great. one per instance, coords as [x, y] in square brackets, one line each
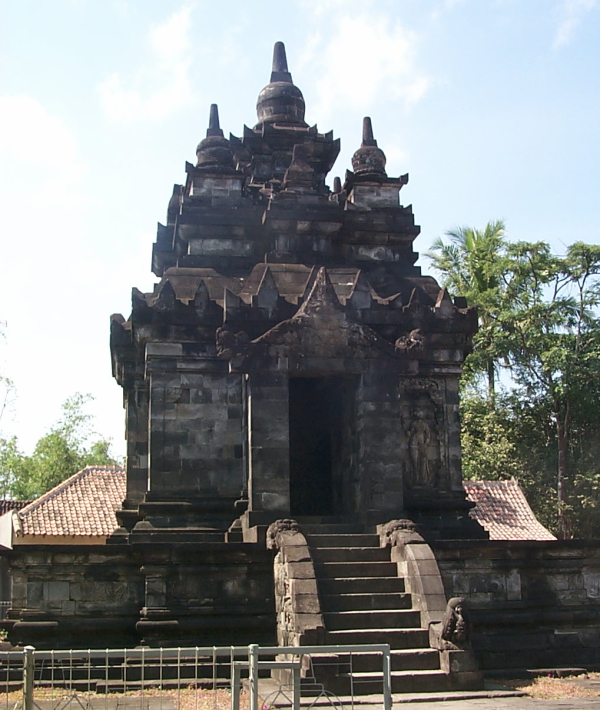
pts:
[492, 106]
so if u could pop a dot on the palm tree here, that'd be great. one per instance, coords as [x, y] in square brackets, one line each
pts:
[471, 266]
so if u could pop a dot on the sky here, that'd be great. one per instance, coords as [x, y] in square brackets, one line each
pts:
[491, 106]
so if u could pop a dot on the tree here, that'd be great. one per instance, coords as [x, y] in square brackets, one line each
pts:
[538, 316]
[69, 446]
[551, 335]
[471, 265]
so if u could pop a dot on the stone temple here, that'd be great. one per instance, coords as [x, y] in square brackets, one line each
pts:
[292, 360]
[293, 451]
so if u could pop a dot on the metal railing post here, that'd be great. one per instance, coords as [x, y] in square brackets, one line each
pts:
[253, 672]
[387, 679]
[296, 681]
[235, 686]
[28, 675]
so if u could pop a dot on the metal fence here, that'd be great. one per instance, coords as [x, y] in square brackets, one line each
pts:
[198, 678]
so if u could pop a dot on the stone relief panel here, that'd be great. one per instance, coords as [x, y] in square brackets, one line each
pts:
[423, 427]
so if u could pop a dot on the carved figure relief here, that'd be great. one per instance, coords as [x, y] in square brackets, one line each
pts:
[423, 440]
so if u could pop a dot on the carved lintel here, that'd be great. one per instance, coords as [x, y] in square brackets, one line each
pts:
[416, 384]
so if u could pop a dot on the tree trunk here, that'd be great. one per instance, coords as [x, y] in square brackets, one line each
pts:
[561, 438]
[491, 376]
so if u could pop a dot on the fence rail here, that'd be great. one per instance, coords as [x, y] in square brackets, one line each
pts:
[197, 678]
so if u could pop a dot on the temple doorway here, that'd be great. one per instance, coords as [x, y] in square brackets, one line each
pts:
[321, 413]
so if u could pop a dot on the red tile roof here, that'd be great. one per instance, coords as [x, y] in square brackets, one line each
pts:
[503, 510]
[83, 505]
[6, 505]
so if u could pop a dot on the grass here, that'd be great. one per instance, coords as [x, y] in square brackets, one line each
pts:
[187, 698]
[550, 688]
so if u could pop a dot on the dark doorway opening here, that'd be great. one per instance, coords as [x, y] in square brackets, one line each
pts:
[319, 433]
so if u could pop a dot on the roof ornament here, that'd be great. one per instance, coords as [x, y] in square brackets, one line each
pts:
[214, 152]
[280, 67]
[280, 101]
[214, 127]
[369, 160]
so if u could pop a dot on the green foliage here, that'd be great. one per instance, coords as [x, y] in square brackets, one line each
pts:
[489, 451]
[69, 446]
[517, 439]
[472, 265]
[538, 320]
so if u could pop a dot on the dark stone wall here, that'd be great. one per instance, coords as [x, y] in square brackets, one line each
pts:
[74, 597]
[207, 594]
[136, 433]
[534, 604]
[196, 424]
[269, 446]
[158, 594]
[379, 428]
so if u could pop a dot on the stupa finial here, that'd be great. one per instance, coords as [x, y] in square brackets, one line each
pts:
[369, 160]
[279, 58]
[214, 152]
[280, 101]
[367, 135]
[280, 71]
[214, 127]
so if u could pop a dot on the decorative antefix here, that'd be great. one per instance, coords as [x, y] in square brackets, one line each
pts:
[292, 368]
[455, 630]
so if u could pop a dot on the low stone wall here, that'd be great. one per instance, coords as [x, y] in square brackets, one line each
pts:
[534, 604]
[155, 593]
[71, 597]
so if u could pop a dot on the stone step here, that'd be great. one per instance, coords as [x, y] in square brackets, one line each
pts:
[342, 540]
[331, 529]
[357, 602]
[397, 638]
[323, 520]
[410, 681]
[355, 569]
[361, 585]
[380, 619]
[406, 659]
[350, 554]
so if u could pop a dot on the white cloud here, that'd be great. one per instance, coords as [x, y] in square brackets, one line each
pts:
[386, 66]
[163, 86]
[170, 41]
[444, 7]
[571, 14]
[41, 150]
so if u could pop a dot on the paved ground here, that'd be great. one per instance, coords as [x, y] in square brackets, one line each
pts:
[504, 704]
[490, 699]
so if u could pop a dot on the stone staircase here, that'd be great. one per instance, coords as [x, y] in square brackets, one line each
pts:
[364, 601]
